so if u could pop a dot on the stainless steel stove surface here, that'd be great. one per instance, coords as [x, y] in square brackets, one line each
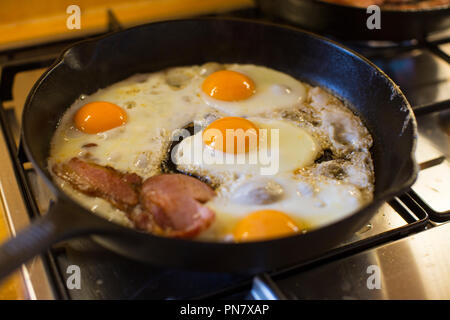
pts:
[407, 241]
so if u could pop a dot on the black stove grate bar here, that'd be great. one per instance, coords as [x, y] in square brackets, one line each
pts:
[438, 39]
[113, 23]
[433, 47]
[10, 69]
[434, 215]
[432, 107]
[439, 52]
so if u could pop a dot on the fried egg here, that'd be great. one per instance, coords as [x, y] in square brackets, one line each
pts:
[248, 90]
[126, 126]
[308, 204]
[278, 147]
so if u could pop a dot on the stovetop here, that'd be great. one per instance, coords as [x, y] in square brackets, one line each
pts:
[407, 240]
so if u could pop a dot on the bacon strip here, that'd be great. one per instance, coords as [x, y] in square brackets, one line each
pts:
[120, 189]
[174, 201]
[167, 204]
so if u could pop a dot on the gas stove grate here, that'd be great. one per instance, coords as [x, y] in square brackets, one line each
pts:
[412, 209]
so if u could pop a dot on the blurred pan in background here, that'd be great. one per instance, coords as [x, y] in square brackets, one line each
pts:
[400, 20]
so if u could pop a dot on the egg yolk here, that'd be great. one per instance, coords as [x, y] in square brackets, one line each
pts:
[231, 135]
[264, 224]
[99, 116]
[228, 85]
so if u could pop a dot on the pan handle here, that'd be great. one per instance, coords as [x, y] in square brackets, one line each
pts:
[57, 224]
